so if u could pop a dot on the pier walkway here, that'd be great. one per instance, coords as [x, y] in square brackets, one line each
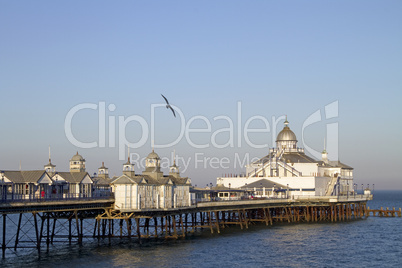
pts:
[40, 223]
[22, 204]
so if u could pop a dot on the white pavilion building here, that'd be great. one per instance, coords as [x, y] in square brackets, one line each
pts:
[151, 189]
[289, 169]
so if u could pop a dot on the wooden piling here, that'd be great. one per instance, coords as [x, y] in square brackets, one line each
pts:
[174, 227]
[183, 233]
[3, 244]
[156, 226]
[217, 222]
[18, 232]
[137, 221]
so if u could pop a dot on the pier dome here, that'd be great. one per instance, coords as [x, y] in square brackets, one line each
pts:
[286, 139]
[77, 157]
[153, 155]
[286, 134]
[77, 163]
[152, 162]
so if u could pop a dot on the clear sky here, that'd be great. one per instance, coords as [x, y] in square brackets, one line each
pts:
[275, 58]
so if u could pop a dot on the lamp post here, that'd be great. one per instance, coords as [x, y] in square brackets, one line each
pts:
[362, 189]
[55, 188]
[60, 185]
[95, 187]
[347, 190]
[261, 188]
[229, 190]
[287, 193]
[2, 185]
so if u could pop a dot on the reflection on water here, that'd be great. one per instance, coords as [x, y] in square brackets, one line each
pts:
[362, 243]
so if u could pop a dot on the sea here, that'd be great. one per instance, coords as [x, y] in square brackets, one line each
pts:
[370, 242]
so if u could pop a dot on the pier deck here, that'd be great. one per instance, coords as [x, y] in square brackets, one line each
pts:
[74, 220]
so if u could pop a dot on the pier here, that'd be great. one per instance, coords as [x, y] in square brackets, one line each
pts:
[41, 208]
[40, 224]
[384, 212]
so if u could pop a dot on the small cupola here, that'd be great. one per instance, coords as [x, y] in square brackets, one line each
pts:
[128, 168]
[103, 171]
[77, 163]
[174, 170]
[153, 166]
[50, 168]
[152, 163]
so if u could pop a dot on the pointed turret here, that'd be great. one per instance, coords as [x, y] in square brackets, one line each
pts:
[324, 155]
[174, 170]
[128, 168]
[50, 168]
[103, 171]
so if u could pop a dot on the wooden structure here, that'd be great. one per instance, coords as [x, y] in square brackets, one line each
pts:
[384, 212]
[39, 225]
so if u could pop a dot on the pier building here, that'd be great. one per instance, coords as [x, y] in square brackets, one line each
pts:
[151, 189]
[49, 183]
[288, 168]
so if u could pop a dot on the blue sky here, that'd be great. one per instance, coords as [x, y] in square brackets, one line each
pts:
[275, 57]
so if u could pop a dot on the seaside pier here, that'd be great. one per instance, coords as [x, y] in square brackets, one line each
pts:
[42, 208]
[40, 224]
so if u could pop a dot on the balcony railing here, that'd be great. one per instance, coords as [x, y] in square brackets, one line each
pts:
[15, 198]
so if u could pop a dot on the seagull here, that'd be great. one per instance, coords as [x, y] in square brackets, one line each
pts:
[168, 106]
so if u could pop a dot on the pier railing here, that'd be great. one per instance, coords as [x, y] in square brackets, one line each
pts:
[334, 198]
[11, 198]
[285, 198]
[23, 198]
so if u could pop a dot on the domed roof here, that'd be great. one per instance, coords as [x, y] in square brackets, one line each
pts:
[77, 157]
[286, 134]
[153, 155]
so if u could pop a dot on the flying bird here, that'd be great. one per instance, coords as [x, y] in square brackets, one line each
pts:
[168, 106]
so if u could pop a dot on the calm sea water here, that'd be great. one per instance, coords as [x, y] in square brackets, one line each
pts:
[372, 242]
